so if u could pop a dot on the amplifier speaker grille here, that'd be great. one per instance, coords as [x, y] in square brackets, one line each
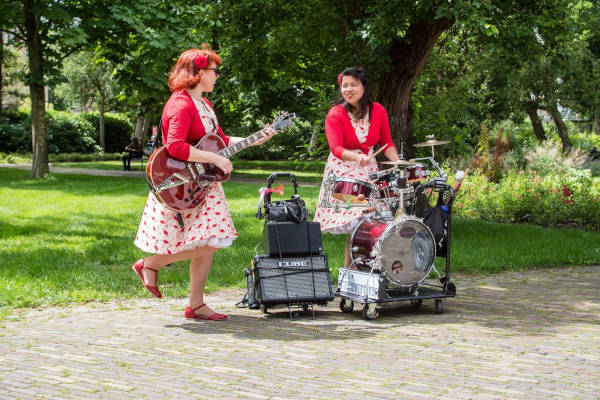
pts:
[289, 280]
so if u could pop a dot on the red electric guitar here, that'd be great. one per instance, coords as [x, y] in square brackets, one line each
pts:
[182, 185]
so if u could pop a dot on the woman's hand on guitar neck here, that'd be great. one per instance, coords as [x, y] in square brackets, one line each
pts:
[268, 134]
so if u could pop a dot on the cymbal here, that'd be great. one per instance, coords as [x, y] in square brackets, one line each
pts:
[400, 162]
[431, 142]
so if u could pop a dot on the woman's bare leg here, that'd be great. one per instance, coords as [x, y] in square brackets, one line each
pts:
[157, 261]
[199, 270]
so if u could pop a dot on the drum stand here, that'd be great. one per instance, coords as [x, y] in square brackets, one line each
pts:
[372, 289]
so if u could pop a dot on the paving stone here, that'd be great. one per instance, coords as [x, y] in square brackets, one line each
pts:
[505, 336]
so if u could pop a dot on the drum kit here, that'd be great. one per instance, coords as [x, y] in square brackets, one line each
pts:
[392, 250]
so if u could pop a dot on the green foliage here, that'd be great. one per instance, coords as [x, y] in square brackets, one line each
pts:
[282, 146]
[70, 133]
[118, 130]
[67, 133]
[548, 158]
[90, 81]
[571, 196]
[15, 134]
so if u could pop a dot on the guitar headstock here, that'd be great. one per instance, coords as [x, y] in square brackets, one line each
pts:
[283, 119]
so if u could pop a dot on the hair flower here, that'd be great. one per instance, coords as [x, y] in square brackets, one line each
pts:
[340, 78]
[201, 61]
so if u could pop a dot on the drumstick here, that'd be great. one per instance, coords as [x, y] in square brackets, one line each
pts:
[377, 152]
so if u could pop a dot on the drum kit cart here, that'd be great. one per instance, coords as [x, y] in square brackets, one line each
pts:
[393, 249]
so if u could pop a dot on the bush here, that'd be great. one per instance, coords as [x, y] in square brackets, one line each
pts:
[573, 196]
[67, 133]
[117, 130]
[70, 133]
[15, 134]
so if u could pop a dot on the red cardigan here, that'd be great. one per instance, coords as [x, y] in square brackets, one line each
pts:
[341, 136]
[181, 125]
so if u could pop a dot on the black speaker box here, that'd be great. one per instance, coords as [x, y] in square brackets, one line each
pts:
[292, 239]
[292, 280]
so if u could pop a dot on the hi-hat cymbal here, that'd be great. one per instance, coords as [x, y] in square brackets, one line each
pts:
[431, 142]
[400, 162]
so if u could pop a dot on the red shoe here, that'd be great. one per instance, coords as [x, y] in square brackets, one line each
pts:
[189, 313]
[138, 267]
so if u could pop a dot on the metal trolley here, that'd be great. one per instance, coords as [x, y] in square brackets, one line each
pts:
[373, 288]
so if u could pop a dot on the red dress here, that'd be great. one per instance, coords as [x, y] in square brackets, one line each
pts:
[186, 120]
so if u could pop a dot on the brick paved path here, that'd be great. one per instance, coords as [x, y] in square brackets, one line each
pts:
[533, 335]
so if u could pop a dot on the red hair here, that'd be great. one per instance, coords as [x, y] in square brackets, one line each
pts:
[185, 74]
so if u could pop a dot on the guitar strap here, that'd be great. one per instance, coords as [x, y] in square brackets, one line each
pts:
[180, 220]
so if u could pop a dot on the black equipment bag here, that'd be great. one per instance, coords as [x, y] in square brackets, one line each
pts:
[437, 221]
[292, 280]
[292, 210]
[292, 239]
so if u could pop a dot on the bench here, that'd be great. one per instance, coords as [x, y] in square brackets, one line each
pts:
[142, 159]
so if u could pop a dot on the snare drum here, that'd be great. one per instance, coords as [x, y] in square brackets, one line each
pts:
[345, 189]
[403, 250]
[417, 173]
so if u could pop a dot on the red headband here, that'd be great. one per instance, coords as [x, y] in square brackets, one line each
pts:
[340, 78]
[201, 61]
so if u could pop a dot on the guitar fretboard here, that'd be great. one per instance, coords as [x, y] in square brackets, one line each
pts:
[241, 145]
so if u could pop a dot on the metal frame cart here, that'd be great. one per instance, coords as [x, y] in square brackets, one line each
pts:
[372, 289]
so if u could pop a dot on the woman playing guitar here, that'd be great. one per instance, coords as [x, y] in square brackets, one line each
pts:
[194, 234]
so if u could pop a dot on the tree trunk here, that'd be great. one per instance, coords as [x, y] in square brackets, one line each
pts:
[538, 129]
[1, 63]
[561, 127]
[597, 122]
[101, 134]
[393, 90]
[139, 126]
[39, 135]
[145, 128]
[312, 144]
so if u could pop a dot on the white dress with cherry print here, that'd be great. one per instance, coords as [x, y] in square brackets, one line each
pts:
[345, 220]
[208, 224]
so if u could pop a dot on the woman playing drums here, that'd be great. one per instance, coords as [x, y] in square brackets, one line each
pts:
[354, 125]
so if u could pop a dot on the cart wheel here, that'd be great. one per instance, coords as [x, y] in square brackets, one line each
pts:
[369, 311]
[439, 308]
[263, 308]
[346, 305]
[450, 288]
[304, 307]
[416, 303]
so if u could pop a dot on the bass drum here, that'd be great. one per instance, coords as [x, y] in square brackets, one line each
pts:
[403, 250]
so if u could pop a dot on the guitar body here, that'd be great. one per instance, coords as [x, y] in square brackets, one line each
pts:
[185, 183]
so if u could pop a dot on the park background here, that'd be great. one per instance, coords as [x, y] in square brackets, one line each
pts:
[513, 87]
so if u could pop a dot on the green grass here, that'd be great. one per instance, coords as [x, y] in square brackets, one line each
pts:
[69, 238]
[305, 171]
[105, 165]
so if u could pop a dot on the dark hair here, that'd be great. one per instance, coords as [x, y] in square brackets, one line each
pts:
[135, 141]
[365, 102]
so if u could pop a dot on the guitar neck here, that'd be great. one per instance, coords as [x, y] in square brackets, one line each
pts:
[241, 145]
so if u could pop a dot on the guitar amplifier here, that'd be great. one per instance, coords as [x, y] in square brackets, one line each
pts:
[292, 280]
[292, 239]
